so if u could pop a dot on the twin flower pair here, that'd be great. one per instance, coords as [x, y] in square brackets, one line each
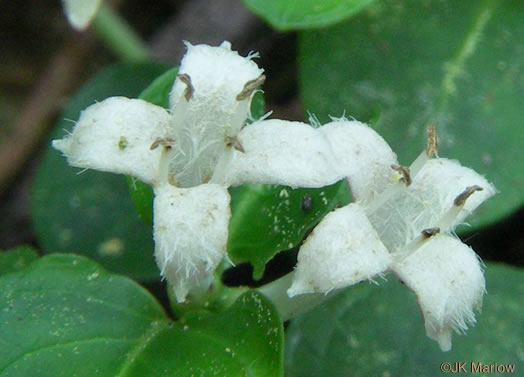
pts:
[402, 218]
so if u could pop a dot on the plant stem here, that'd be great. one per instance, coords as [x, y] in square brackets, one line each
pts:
[216, 298]
[118, 36]
[290, 307]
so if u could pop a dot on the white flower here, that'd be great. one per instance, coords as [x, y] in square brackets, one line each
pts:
[192, 153]
[402, 221]
[80, 13]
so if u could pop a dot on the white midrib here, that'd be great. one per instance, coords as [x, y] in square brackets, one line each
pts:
[156, 328]
[454, 68]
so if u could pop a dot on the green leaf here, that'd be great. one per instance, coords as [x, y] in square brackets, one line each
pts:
[305, 14]
[142, 195]
[268, 219]
[245, 340]
[92, 213]
[371, 330]
[16, 259]
[158, 92]
[66, 316]
[455, 64]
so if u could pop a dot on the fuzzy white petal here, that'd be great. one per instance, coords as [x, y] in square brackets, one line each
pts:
[363, 156]
[190, 231]
[342, 250]
[447, 278]
[115, 135]
[80, 12]
[206, 110]
[405, 211]
[280, 152]
[447, 179]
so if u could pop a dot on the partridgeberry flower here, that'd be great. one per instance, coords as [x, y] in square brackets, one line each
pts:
[402, 221]
[192, 153]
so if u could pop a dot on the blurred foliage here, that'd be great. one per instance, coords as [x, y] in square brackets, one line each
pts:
[305, 14]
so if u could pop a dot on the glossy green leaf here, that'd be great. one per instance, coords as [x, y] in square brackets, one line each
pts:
[456, 64]
[245, 340]
[142, 195]
[16, 259]
[305, 14]
[158, 92]
[257, 105]
[268, 219]
[91, 213]
[371, 330]
[66, 316]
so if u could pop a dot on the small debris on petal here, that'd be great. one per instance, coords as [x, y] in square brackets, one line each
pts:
[122, 143]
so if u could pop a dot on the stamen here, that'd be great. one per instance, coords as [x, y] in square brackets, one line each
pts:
[461, 199]
[430, 232]
[431, 151]
[232, 141]
[449, 217]
[410, 248]
[186, 79]
[250, 87]
[167, 142]
[416, 243]
[404, 172]
[162, 176]
[155, 144]
[432, 142]
[171, 180]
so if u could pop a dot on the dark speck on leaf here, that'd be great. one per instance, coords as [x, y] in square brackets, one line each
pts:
[307, 203]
